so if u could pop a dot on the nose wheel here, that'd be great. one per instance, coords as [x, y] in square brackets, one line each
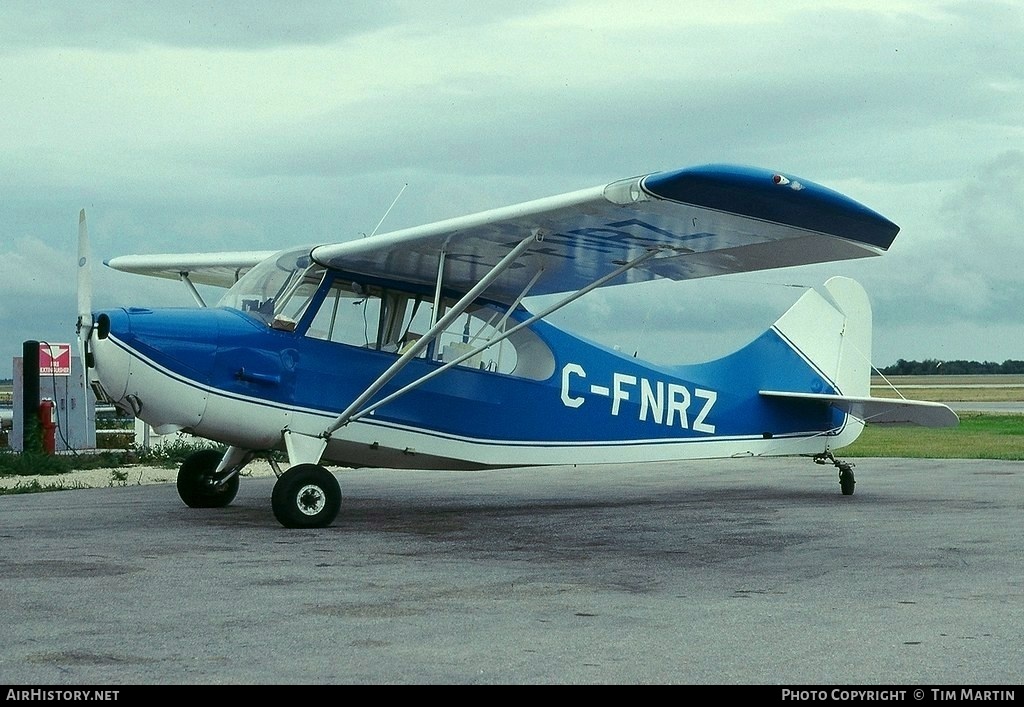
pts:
[306, 496]
[199, 486]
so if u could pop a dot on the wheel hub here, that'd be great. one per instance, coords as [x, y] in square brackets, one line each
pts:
[311, 499]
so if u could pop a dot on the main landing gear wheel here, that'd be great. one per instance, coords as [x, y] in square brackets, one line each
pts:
[197, 485]
[306, 496]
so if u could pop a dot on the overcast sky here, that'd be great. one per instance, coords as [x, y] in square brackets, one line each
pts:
[198, 126]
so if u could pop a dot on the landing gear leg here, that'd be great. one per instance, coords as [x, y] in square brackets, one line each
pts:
[846, 480]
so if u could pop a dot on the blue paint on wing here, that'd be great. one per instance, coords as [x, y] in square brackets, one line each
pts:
[772, 196]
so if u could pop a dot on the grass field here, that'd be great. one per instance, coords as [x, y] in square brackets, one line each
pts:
[979, 436]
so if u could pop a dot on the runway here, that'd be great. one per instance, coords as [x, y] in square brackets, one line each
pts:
[1006, 407]
[745, 571]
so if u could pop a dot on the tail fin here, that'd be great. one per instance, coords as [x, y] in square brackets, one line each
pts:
[831, 329]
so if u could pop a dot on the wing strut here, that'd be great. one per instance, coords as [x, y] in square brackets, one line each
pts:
[437, 295]
[192, 289]
[428, 338]
[525, 323]
[437, 287]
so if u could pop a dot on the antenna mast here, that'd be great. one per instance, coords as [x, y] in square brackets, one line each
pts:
[389, 210]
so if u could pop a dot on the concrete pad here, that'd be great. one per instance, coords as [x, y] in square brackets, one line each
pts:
[725, 572]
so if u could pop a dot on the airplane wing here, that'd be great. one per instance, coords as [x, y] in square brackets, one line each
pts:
[218, 269]
[705, 221]
[887, 411]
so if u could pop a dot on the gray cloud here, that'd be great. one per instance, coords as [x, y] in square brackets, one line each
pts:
[227, 24]
[970, 268]
[227, 126]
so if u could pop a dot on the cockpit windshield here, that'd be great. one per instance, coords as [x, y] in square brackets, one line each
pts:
[277, 290]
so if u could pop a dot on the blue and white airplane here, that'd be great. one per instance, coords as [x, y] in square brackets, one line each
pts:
[413, 349]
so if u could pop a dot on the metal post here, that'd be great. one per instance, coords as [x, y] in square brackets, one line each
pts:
[31, 437]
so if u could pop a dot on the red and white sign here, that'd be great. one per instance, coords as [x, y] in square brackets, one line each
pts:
[54, 359]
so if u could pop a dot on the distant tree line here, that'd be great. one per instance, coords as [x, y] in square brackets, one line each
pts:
[934, 367]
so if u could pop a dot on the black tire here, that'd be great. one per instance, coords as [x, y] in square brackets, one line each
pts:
[846, 481]
[197, 486]
[306, 496]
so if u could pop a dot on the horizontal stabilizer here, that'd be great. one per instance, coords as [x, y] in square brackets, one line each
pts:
[888, 411]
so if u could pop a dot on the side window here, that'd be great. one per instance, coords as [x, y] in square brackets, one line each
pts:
[468, 332]
[392, 321]
[347, 316]
[473, 329]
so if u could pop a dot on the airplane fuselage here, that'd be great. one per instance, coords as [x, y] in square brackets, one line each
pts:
[224, 375]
